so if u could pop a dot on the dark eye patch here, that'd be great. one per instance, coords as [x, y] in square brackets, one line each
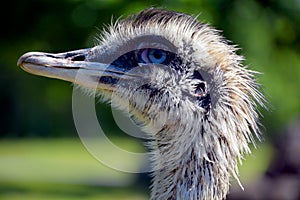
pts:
[132, 59]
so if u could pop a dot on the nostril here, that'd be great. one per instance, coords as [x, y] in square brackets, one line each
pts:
[69, 55]
[75, 56]
[78, 58]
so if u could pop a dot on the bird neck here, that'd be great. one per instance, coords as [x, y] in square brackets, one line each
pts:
[186, 168]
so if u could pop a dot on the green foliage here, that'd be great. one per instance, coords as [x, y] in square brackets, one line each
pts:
[63, 169]
[267, 33]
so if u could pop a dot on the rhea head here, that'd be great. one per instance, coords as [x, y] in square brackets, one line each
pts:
[184, 83]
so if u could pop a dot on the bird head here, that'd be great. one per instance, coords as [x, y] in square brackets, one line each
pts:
[161, 59]
[175, 75]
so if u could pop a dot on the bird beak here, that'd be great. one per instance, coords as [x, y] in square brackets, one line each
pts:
[76, 67]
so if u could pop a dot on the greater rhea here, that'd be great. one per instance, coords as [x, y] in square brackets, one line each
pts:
[186, 86]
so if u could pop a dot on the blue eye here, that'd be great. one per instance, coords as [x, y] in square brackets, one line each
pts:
[157, 56]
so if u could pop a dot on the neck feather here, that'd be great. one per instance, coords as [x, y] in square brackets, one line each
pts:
[187, 166]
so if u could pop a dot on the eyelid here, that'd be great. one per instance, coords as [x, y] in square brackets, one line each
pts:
[151, 45]
[144, 55]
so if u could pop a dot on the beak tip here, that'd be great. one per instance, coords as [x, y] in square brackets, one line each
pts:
[21, 60]
[25, 56]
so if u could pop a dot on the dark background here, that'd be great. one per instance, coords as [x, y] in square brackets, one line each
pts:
[266, 31]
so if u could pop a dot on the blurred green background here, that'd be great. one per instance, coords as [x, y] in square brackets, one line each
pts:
[41, 156]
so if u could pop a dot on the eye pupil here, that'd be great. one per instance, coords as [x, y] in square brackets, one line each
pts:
[157, 56]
